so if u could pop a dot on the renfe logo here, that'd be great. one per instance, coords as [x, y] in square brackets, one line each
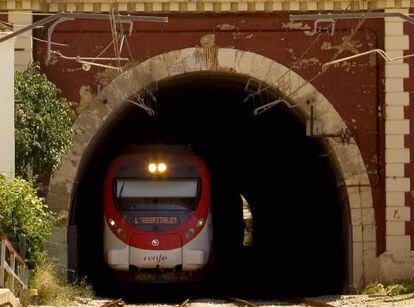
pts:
[156, 259]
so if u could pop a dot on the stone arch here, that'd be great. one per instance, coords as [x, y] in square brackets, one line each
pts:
[110, 101]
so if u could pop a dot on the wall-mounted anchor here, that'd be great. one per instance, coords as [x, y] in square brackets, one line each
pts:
[314, 129]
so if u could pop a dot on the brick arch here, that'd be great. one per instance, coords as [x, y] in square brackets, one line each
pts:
[107, 104]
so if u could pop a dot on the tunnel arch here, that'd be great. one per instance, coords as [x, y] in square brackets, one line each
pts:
[109, 103]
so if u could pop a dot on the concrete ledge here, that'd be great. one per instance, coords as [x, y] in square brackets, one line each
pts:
[7, 298]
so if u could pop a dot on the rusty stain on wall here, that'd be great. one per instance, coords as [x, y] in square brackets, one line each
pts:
[239, 35]
[208, 52]
[291, 25]
[307, 62]
[86, 97]
[226, 27]
[346, 45]
[103, 77]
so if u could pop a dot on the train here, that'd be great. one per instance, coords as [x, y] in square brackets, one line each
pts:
[157, 214]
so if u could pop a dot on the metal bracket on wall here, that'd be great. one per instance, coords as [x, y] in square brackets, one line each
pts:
[341, 16]
[330, 28]
[314, 129]
[49, 36]
[272, 104]
[62, 17]
[56, 16]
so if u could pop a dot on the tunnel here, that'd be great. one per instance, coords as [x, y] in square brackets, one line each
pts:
[300, 215]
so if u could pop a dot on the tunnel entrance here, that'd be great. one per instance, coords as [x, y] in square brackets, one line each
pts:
[301, 219]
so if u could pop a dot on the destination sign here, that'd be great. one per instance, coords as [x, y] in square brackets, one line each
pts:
[145, 220]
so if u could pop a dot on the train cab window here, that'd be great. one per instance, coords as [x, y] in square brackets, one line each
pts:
[140, 194]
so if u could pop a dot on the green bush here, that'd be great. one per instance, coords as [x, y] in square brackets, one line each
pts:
[23, 212]
[43, 124]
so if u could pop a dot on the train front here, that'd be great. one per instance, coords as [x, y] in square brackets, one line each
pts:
[157, 216]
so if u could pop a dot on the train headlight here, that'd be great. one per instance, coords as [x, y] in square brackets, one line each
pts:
[121, 233]
[111, 222]
[200, 223]
[190, 232]
[162, 167]
[152, 168]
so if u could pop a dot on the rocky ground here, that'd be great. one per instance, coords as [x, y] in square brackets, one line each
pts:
[338, 300]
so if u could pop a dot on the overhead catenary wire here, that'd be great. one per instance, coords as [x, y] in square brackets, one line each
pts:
[268, 106]
[347, 40]
[381, 52]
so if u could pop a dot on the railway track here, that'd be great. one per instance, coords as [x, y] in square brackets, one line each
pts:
[241, 302]
[244, 303]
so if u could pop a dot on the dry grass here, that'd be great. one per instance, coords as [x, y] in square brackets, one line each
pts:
[53, 289]
[395, 288]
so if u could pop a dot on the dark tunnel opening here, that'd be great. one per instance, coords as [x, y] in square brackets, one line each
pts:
[300, 220]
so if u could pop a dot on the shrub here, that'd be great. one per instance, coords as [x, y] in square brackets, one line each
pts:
[43, 124]
[395, 288]
[23, 212]
[52, 288]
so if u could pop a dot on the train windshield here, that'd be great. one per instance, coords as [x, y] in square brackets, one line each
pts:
[140, 194]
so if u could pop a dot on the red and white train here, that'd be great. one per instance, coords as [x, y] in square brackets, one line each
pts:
[158, 213]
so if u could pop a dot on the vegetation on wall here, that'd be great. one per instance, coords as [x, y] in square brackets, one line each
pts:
[43, 124]
[22, 212]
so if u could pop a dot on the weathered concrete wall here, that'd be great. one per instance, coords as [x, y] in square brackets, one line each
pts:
[7, 106]
[23, 47]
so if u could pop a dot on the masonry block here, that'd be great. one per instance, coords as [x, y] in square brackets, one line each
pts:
[394, 112]
[393, 54]
[71, 7]
[20, 17]
[140, 7]
[397, 42]
[397, 70]
[369, 233]
[122, 6]
[368, 216]
[394, 28]
[397, 184]
[23, 42]
[397, 155]
[395, 228]
[26, 5]
[394, 170]
[394, 85]
[356, 233]
[88, 7]
[398, 243]
[208, 6]
[226, 58]
[397, 98]
[356, 216]
[59, 234]
[312, 5]
[397, 126]
[22, 57]
[394, 199]
[394, 141]
[225, 6]
[398, 213]
[174, 6]
[58, 251]
[259, 6]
